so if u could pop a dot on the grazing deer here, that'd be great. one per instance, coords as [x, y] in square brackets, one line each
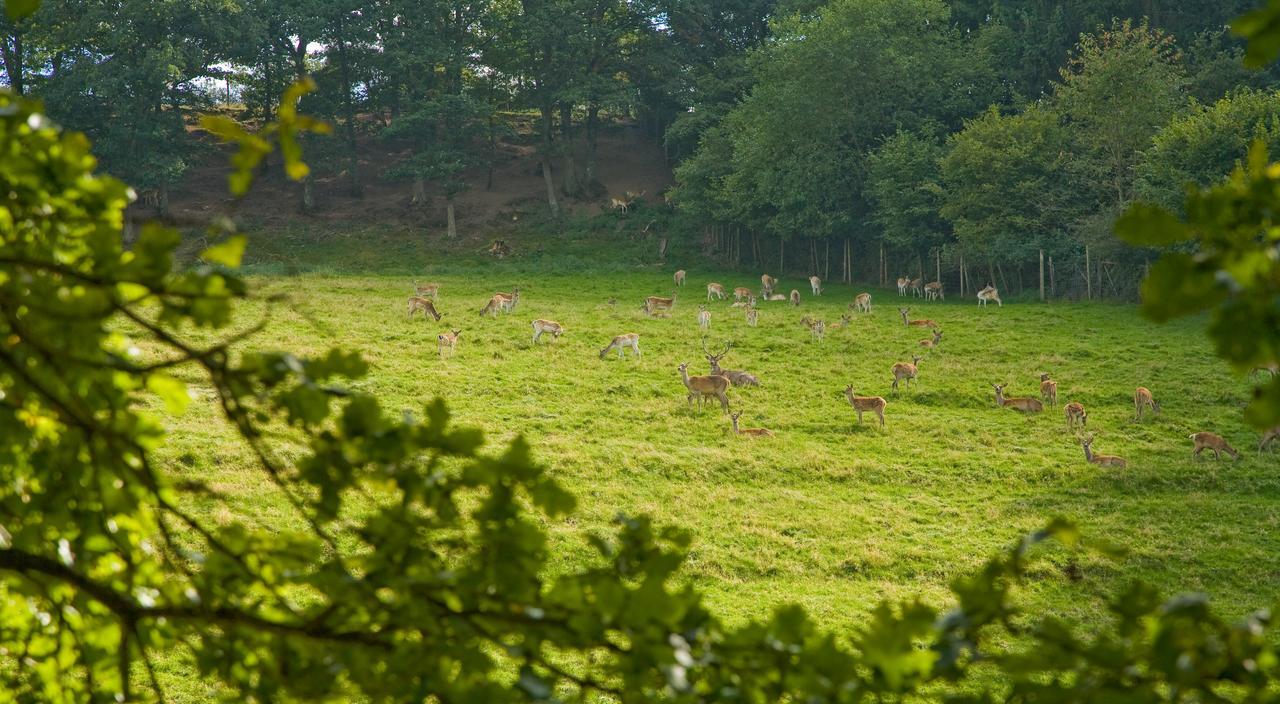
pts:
[937, 337]
[815, 284]
[903, 371]
[844, 322]
[418, 303]
[1142, 398]
[925, 323]
[741, 293]
[621, 343]
[540, 326]
[704, 318]
[1268, 437]
[749, 432]
[989, 294]
[903, 283]
[426, 290]
[1026, 405]
[767, 283]
[875, 404]
[1076, 415]
[795, 297]
[915, 287]
[737, 378]
[619, 204]
[1205, 440]
[653, 304]
[706, 387]
[448, 339]
[753, 316]
[933, 290]
[862, 303]
[680, 277]
[1100, 460]
[1048, 390]
[494, 306]
[716, 290]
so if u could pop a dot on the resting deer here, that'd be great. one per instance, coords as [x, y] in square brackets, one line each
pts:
[448, 339]
[680, 277]
[653, 304]
[767, 284]
[937, 337]
[1268, 437]
[1026, 405]
[915, 286]
[1100, 460]
[1048, 390]
[426, 290]
[737, 378]
[989, 294]
[815, 284]
[706, 387]
[418, 303]
[903, 283]
[741, 293]
[933, 290]
[776, 297]
[621, 343]
[753, 316]
[1142, 399]
[1076, 416]
[540, 326]
[875, 404]
[795, 297]
[908, 372]
[704, 318]
[862, 303]
[1205, 440]
[843, 323]
[925, 323]
[749, 432]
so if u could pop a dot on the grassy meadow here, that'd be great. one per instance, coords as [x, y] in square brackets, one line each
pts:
[829, 514]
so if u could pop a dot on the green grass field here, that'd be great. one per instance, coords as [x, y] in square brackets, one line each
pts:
[828, 514]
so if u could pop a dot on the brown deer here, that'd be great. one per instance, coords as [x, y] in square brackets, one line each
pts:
[447, 339]
[706, 387]
[737, 378]
[903, 371]
[916, 286]
[1048, 390]
[749, 432]
[843, 323]
[1026, 405]
[989, 294]
[540, 326]
[903, 283]
[619, 204]
[862, 303]
[776, 297]
[795, 297]
[1142, 399]
[767, 284]
[1205, 440]
[753, 316]
[716, 290]
[704, 318]
[654, 304]
[509, 300]
[815, 284]
[933, 290]
[741, 293]
[1268, 437]
[494, 306]
[1100, 460]
[875, 404]
[937, 337]
[925, 323]
[418, 303]
[680, 277]
[818, 329]
[621, 343]
[426, 290]
[1076, 416]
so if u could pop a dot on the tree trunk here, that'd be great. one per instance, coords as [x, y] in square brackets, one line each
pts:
[419, 190]
[1088, 279]
[1042, 275]
[571, 186]
[938, 265]
[453, 226]
[826, 260]
[11, 49]
[308, 194]
[782, 256]
[349, 111]
[546, 161]
[591, 178]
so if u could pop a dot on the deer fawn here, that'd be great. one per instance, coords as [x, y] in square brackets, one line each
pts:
[903, 283]
[704, 318]
[621, 343]
[795, 297]
[933, 290]
[815, 284]
[843, 323]
[1048, 390]
[447, 339]
[1142, 398]
[862, 303]
[1100, 460]
[426, 290]
[653, 304]
[818, 329]
[937, 337]
[540, 326]
[767, 284]
[705, 387]
[716, 290]
[418, 303]
[741, 293]
[1026, 405]
[1076, 415]
[737, 378]
[753, 316]
[902, 371]
[680, 277]
[749, 432]
[875, 404]
[1268, 437]
[1205, 440]
[989, 294]
[915, 323]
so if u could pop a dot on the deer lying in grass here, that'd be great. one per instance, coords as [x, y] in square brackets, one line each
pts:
[447, 339]
[767, 284]
[903, 283]
[418, 303]
[753, 316]
[426, 290]
[741, 293]
[1026, 405]
[875, 404]
[815, 284]
[749, 432]
[654, 304]
[795, 297]
[933, 291]
[1100, 460]
[621, 343]
[908, 372]
[1048, 390]
[1205, 440]
[925, 323]
[843, 322]
[715, 290]
[937, 337]
[776, 297]
[737, 378]
[1076, 416]
[861, 303]
[916, 286]
[748, 302]
[704, 318]
[680, 277]
[1268, 437]
[1143, 399]
[704, 387]
[550, 326]
[989, 294]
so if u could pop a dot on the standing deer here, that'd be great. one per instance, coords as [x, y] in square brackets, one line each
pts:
[933, 290]
[903, 283]
[989, 294]
[795, 297]
[815, 284]
[493, 307]
[426, 290]
[1100, 460]
[621, 343]
[753, 316]
[1205, 440]
[737, 378]
[705, 387]
[925, 323]
[862, 303]
[741, 293]
[1048, 390]
[903, 371]
[1142, 398]
[418, 303]
[680, 277]
[619, 204]
[716, 290]
[509, 300]
[704, 318]
[937, 337]
[819, 329]
[749, 432]
[1076, 415]
[915, 286]
[1026, 405]
[875, 404]
[447, 339]
[1268, 437]
[767, 284]
[653, 304]
[540, 326]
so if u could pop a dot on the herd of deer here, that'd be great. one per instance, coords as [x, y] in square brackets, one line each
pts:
[716, 384]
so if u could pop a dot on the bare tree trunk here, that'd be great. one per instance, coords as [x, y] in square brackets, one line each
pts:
[938, 265]
[308, 203]
[592, 178]
[1042, 275]
[826, 266]
[572, 187]
[1088, 279]
[782, 258]
[453, 227]
[419, 190]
